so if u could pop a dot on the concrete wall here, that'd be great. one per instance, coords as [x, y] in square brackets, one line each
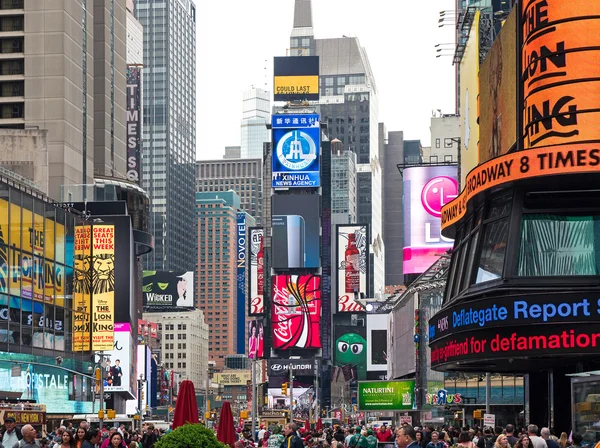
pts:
[25, 152]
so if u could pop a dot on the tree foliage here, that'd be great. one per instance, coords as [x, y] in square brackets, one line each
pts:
[190, 436]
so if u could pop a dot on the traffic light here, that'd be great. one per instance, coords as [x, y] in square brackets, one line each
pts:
[101, 414]
[244, 414]
[98, 376]
[111, 413]
[284, 389]
[207, 415]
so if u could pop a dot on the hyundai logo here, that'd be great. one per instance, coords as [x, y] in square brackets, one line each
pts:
[276, 367]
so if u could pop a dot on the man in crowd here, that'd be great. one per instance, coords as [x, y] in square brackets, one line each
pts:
[28, 441]
[384, 434]
[545, 433]
[435, 441]
[11, 435]
[536, 442]
[291, 437]
[510, 435]
[406, 438]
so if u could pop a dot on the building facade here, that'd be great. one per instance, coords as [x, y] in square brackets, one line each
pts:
[244, 176]
[184, 337]
[256, 113]
[445, 140]
[343, 183]
[169, 135]
[135, 37]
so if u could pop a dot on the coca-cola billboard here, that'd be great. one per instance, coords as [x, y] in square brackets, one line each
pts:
[256, 280]
[352, 266]
[296, 312]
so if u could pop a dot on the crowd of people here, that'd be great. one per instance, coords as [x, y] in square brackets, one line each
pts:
[81, 437]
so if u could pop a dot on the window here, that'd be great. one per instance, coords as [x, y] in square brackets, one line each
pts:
[437, 142]
[447, 143]
[493, 251]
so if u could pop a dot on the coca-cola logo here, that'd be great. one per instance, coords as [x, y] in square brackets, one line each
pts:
[438, 192]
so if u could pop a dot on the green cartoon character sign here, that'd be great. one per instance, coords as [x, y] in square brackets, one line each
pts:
[351, 352]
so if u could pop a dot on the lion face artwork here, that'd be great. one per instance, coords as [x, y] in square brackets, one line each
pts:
[103, 273]
[83, 279]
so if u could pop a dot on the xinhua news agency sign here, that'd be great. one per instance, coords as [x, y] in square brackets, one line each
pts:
[386, 395]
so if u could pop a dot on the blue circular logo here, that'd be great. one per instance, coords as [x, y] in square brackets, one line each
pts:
[296, 151]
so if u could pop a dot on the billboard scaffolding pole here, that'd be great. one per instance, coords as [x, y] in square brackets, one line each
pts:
[253, 365]
[291, 395]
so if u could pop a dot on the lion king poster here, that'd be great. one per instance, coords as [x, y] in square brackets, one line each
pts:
[103, 287]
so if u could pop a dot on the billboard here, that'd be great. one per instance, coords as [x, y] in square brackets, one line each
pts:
[82, 289]
[281, 367]
[296, 227]
[296, 78]
[350, 351]
[386, 395]
[352, 266]
[469, 92]
[168, 289]
[134, 123]
[498, 94]
[103, 286]
[377, 342]
[256, 339]
[296, 312]
[256, 279]
[232, 378]
[296, 151]
[426, 190]
[242, 275]
[119, 369]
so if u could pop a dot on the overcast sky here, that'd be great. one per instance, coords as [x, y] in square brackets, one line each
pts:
[237, 40]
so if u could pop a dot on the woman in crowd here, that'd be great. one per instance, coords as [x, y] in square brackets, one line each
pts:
[464, 440]
[563, 442]
[523, 442]
[66, 440]
[116, 440]
[502, 442]
[79, 437]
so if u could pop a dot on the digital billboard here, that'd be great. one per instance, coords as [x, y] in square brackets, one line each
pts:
[386, 395]
[377, 341]
[256, 279]
[426, 190]
[352, 266]
[296, 312]
[168, 289]
[134, 123]
[119, 367]
[296, 78]
[350, 351]
[469, 92]
[232, 378]
[103, 286]
[256, 339]
[296, 151]
[242, 276]
[296, 231]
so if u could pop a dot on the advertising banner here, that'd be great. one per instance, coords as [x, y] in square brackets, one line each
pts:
[296, 241]
[256, 339]
[242, 274]
[235, 378]
[352, 266]
[386, 395]
[256, 305]
[134, 123]
[350, 352]
[103, 286]
[168, 289]
[377, 342]
[296, 312]
[117, 373]
[426, 191]
[281, 367]
[296, 78]
[296, 151]
[82, 282]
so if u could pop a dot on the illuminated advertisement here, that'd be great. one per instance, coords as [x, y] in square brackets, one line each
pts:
[119, 366]
[296, 78]
[498, 95]
[350, 351]
[426, 191]
[469, 93]
[386, 395]
[242, 275]
[256, 340]
[296, 151]
[256, 304]
[103, 286]
[168, 289]
[296, 241]
[82, 288]
[352, 266]
[377, 346]
[538, 162]
[134, 123]
[232, 378]
[560, 82]
[296, 312]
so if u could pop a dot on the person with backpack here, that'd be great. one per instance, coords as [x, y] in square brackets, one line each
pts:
[487, 441]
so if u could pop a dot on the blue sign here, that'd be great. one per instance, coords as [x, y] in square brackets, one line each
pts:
[241, 249]
[296, 151]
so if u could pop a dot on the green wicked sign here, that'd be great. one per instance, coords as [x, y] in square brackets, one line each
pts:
[386, 395]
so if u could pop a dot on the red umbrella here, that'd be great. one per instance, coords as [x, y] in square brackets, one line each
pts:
[307, 425]
[319, 424]
[186, 409]
[226, 432]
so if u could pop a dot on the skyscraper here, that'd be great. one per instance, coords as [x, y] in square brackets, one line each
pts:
[169, 149]
[256, 114]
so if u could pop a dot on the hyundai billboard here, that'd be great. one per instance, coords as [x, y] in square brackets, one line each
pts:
[426, 190]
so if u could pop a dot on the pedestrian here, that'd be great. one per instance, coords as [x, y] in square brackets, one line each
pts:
[116, 440]
[28, 440]
[487, 441]
[66, 440]
[80, 436]
[11, 434]
[536, 442]
[545, 433]
[291, 437]
[371, 439]
[92, 438]
[523, 442]
[419, 438]
[435, 441]
[563, 441]
[150, 438]
[464, 440]
[384, 434]
[406, 438]
[509, 430]
[358, 440]
[501, 442]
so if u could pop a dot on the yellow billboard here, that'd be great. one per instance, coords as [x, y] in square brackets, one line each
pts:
[103, 287]
[239, 378]
[82, 276]
[469, 93]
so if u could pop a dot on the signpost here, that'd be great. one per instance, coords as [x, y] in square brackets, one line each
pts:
[489, 420]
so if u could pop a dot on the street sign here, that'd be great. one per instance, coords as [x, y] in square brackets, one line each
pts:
[406, 419]
[489, 420]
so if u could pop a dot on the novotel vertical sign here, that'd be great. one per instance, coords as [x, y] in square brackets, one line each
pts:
[134, 123]
[241, 249]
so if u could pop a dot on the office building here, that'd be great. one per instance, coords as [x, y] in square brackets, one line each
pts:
[256, 113]
[217, 270]
[445, 140]
[233, 152]
[244, 176]
[68, 79]
[343, 184]
[349, 106]
[169, 133]
[184, 337]
[135, 37]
